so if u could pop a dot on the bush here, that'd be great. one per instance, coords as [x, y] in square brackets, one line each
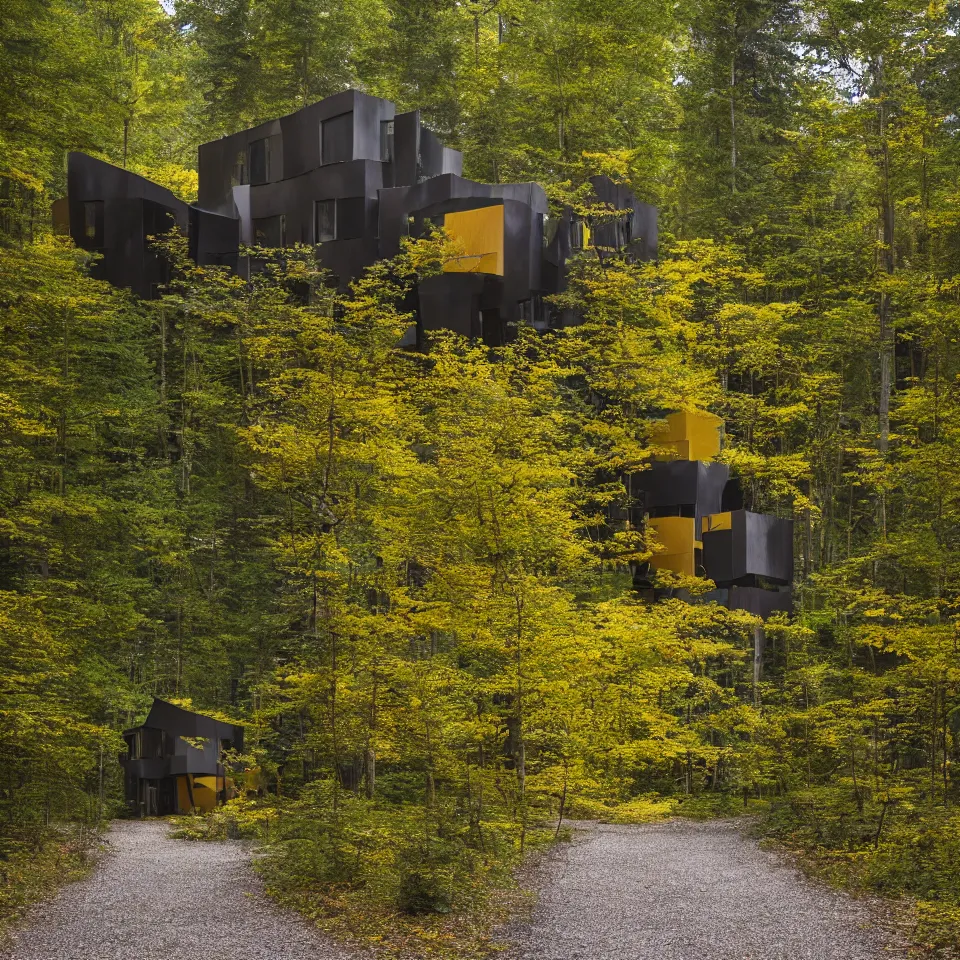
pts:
[427, 877]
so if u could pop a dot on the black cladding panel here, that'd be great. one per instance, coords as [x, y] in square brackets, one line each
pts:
[431, 155]
[214, 239]
[760, 602]
[351, 218]
[452, 161]
[756, 545]
[406, 148]
[368, 114]
[676, 483]
[644, 231]
[451, 301]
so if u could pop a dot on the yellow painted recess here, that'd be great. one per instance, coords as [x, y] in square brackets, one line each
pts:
[717, 521]
[481, 232]
[677, 535]
[205, 790]
[689, 435]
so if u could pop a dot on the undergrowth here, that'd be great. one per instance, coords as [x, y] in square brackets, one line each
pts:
[905, 853]
[34, 865]
[408, 882]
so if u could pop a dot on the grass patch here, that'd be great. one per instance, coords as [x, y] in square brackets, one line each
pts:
[911, 863]
[384, 876]
[33, 868]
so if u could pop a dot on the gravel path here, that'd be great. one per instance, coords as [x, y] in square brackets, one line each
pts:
[688, 891]
[155, 897]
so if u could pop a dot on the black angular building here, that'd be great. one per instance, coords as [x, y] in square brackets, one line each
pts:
[173, 762]
[113, 212]
[694, 508]
[351, 176]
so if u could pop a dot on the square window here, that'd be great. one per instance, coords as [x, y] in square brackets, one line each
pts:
[576, 234]
[386, 141]
[326, 220]
[336, 139]
[270, 231]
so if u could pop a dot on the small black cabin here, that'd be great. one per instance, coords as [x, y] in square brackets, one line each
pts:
[173, 762]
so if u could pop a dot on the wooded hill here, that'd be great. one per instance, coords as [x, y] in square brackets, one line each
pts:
[397, 568]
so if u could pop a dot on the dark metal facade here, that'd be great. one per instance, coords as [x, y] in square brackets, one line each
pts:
[352, 176]
[114, 213]
[173, 761]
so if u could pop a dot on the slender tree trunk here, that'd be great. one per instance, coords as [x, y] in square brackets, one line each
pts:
[885, 306]
[733, 121]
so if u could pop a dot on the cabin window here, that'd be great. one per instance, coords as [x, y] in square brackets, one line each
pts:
[270, 231]
[260, 161]
[386, 141]
[326, 220]
[336, 139]
[341, 219]
[576, 234]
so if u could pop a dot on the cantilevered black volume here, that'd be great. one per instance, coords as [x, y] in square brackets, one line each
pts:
[693, 510]
[173, 762]
[115, 213]
[352, 177]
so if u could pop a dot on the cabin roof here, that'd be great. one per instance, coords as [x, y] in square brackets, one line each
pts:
[185, 723]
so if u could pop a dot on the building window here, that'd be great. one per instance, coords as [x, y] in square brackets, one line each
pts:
[260, 161]
[533, 312]
[93, 222]
[341, 219]
[576, 234]
[270, 231]
[550, 227]
[386, 141]
[336, 139]
[326, 220]
[238, 176]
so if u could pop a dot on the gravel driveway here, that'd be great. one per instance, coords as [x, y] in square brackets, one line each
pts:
[154, 897]
[688, 891]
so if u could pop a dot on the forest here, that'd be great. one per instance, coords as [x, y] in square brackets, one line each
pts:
[408, 573]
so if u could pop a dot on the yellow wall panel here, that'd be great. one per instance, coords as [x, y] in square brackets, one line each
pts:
[690, 435]
[205, 792]
[717, 521]
[481, 232]
[677, 535]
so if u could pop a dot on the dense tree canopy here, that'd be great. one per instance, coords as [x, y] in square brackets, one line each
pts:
[408, 573]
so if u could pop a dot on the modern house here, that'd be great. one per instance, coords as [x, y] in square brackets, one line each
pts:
[351, 176]
[174, 761]
[695, 510]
